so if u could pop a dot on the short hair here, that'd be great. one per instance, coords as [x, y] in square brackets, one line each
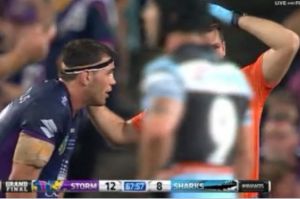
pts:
[182, 15]
[275, 103]
[281, 96]
[216, 26]
[83, 52]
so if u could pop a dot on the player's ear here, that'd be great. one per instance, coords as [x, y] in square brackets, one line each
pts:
[85, 78]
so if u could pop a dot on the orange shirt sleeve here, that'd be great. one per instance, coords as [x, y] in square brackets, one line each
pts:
[137, 121]
[258, 83]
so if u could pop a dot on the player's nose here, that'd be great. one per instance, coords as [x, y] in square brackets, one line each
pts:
[113, 81]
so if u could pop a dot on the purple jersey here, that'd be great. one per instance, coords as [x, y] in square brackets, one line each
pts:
[43, 112]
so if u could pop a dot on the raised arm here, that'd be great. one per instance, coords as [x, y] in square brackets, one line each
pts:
[283, 42]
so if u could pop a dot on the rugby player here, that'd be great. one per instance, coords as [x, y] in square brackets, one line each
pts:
[184, 93]
[38, 130]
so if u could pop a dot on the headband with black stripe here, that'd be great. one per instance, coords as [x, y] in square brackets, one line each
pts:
[89, 67]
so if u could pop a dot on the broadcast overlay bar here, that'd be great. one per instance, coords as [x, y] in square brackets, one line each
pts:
[16, 186]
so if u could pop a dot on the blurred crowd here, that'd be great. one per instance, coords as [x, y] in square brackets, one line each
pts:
[33, 32]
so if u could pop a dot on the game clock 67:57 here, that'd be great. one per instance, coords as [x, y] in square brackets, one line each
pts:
[134, 186]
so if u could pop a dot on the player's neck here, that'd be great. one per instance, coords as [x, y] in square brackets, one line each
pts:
[76, 97]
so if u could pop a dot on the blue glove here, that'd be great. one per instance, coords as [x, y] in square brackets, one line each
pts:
[226, 16]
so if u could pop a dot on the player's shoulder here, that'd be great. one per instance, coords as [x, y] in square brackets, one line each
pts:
[232, 75]
[160, 71]
[254, 67]
[49, 95]
[215, 76]
[229, 68]
[161, 64]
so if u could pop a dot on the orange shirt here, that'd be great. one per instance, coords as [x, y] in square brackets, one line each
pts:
[261, 91]
[254, 75]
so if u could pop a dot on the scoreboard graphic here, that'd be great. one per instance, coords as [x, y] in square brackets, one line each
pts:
[135, 186]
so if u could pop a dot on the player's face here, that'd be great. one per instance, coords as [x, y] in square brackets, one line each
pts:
[280, 140]
[213, 39]
[101, 85]
[150, 17]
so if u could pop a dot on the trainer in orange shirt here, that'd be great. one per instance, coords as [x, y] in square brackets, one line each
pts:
[265, 73]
